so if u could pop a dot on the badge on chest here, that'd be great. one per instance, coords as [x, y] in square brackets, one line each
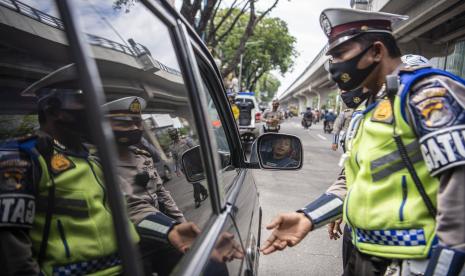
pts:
[383, 113]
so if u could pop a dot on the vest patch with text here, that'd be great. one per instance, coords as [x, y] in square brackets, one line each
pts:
[444, 149]
[17, 210]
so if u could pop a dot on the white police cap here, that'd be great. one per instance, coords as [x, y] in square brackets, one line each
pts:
[341, 24]
[132, 105]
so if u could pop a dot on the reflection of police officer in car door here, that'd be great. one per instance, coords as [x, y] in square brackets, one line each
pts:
[404, 164]
[161, 246]
[177, 147]
[55, 217]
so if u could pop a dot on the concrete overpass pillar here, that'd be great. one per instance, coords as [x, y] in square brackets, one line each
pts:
[302, 103]
[309, 99]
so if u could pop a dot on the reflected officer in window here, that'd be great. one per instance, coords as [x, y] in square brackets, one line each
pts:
[165, 234]
[54, 217]
[177, 147]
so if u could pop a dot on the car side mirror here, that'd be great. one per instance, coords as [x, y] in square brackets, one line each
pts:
[279, 151]
[192, 165]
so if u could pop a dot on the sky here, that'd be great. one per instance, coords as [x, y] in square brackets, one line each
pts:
[302, 17]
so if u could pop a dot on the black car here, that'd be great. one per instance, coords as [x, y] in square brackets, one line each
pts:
[145, 49]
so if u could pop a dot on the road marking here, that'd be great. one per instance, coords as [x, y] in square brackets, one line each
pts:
[322, 137]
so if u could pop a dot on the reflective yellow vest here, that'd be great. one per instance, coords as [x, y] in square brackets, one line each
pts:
[383, 207]
[81, 239]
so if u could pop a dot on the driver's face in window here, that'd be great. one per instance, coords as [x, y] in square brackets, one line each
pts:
[282, 148]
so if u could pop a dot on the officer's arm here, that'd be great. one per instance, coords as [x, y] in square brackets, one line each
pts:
[328, 207]
[337, 127]
[437, 112]
[15, 253]
[16, 214]
[171, 208]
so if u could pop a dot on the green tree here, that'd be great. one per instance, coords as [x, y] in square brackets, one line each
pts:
[214, 20]
[267, 86]
[271, 47]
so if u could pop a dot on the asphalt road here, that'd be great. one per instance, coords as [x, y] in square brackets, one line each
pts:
[284, 191]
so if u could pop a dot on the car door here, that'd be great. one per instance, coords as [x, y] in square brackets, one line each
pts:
[237, 181]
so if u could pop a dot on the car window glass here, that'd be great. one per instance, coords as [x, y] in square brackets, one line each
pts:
[226, 172]
[46, 163]
[138, 66]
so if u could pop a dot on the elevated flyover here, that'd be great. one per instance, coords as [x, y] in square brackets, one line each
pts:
[433, 29]
[36, 43]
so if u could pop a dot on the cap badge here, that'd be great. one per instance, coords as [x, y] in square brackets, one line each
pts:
[364, 28]
[135, 106]
[345, 77]
[357, 100]
[325, 24]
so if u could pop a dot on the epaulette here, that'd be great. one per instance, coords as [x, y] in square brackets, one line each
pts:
[410, 68]
[139, 151]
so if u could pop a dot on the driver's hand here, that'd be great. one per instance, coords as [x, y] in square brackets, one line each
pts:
[334, 147]
[334, 229]
[288, 230]
[183, 235]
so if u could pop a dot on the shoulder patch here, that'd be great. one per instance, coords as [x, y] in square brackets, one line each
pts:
[429, 93]
[383, 113]
[61, 163]
[411, 68]
[14, 169]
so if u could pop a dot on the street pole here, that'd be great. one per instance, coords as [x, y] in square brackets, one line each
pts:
[240, 74]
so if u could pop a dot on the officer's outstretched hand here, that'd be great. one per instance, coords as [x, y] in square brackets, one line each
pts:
[183, 235]
[288, 230]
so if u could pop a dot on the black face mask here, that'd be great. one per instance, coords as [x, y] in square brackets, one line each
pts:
[76, 124]
[347, 75]
[354, 98]
[129, 137]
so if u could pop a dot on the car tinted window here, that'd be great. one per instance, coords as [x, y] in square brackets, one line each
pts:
[226, 170]
[135, 56]
[47, 163]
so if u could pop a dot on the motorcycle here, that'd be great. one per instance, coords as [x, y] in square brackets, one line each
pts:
[306, 122]
[271, 127]
[328, 128]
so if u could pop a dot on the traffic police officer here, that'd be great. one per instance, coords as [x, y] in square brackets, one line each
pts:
[177, 147]
[273, 117]
[54, 216]
[161, 231]
[404, 168]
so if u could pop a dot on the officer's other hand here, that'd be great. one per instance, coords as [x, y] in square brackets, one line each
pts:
[334, 229]
[334, 147]
[288, 230]
[183, 235]
[227, 249]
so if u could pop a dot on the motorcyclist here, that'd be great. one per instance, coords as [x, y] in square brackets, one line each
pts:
[272, 118]
[307, 118]
[329, 119]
